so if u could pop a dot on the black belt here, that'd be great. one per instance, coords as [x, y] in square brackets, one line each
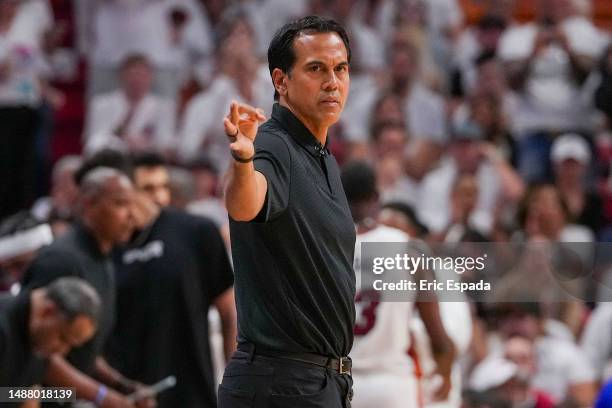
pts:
[342, 365]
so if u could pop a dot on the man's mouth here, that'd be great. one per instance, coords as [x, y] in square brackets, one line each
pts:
[330, 101]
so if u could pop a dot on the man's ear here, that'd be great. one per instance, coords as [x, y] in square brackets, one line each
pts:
[279, 79]
[49, 309]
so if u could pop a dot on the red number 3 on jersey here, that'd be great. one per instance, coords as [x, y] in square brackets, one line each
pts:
[366, 303]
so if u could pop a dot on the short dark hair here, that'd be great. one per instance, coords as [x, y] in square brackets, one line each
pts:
[491, 22]
[105, 158]
[408, 212]
[148, 159]
[380, 127]
[135, 59]
[359, 182]
[532, 191]
[73, 297]
[281, 53]
[485, 57]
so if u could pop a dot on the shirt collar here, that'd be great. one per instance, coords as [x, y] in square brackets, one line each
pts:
[299, 131]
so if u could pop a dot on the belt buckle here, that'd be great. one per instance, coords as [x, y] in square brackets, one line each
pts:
[345, 365]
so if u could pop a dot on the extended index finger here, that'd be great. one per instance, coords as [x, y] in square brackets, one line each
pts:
[234, 115]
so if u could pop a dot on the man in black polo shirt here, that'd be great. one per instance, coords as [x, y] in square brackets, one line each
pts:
[292, 233]
[38, 323]
[168, 276]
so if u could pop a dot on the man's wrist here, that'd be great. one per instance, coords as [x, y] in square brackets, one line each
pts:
[240, 159]
[100, 395]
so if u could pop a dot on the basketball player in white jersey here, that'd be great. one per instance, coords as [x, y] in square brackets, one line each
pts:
[383, 372]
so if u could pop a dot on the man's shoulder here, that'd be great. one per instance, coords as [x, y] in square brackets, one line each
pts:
[62, 256]
[272, 137]
[271, 127]
[67, 245]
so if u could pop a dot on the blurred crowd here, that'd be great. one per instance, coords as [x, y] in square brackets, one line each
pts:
[480, 127]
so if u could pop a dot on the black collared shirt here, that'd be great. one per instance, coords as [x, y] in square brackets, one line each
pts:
[293, 264]
[20, 367]
[167, 278]
[77, 254]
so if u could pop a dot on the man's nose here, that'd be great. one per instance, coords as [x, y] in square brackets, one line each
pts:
[331, 82]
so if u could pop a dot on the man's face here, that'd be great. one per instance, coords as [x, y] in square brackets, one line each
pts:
[155, 183]
[317, 85]
[110, 212]
[547, 207]
[465, 193]
[137, 79]
[521, 352]
[570, 170]
[467, 155]
[403, 64]
[64, 192]
[391, 141]
[53, 333]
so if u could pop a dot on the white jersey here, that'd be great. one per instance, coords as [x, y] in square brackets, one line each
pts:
[382, 327]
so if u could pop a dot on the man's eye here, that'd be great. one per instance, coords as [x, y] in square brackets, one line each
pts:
[315, 68]
[341, 68]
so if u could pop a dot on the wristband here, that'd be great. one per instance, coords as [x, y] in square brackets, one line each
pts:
[102, 391]
[240, 159]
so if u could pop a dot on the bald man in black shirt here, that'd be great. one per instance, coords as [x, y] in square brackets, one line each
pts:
[38, 323]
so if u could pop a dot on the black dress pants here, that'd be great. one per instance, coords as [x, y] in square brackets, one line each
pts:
[253, 381]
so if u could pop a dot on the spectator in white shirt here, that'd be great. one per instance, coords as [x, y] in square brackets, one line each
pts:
[596, 340]
[548, 62]
[424, 111]
[149, 27]
[563, 371]
[474, 42]
[242, 78]
[131, 118]
[469, 154]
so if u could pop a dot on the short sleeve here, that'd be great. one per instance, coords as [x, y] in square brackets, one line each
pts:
[49, 266]
[272, 159]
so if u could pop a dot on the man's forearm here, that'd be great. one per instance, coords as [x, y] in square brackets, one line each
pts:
[243, 192]
[63, 374]
[108, 375]
[225, 304]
